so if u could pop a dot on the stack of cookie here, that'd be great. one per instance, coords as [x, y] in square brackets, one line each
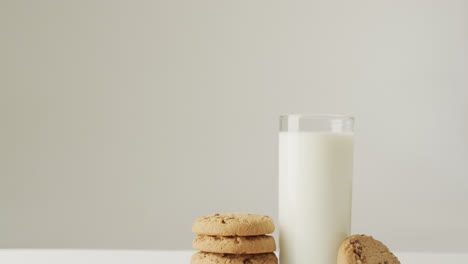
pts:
[234, 238]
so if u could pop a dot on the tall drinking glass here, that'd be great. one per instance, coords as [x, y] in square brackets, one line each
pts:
[315, 183]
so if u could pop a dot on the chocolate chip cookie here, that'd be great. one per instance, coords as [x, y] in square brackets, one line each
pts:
[214, 258]
[233, 224]
[361, 249]
[235, 244]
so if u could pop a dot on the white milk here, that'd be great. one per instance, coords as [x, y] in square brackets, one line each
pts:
[315, 182]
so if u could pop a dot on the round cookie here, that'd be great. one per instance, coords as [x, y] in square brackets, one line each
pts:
[214, 258]
[235, 244]
[362, 249]
[233, 224]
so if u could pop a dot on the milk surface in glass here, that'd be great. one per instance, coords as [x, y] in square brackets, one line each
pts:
[315, 182]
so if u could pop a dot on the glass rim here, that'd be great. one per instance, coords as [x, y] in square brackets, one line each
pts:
[318, 116]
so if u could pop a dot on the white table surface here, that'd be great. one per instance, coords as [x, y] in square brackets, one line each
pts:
[61, 256]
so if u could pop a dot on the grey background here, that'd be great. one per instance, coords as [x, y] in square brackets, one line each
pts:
[123, 121]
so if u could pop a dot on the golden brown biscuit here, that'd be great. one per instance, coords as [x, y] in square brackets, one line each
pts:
[361, 249]
[235, 244]
[214, 258]
[233, 224]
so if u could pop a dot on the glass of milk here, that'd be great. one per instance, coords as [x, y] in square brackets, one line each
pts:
[315, 183]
